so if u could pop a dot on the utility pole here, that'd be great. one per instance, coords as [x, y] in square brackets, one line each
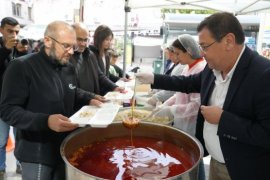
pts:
[127, 10]
[81, 11]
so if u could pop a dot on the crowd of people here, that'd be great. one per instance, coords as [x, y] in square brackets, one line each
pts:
[41, 89]
[216, 90]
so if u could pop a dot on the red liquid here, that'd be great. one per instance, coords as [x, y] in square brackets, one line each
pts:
[113, 159]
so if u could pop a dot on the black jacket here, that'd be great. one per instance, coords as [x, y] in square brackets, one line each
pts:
[89, 76]
[104, 69]
[244, 127]
[119, 71]
[35, 87]
[6, 55]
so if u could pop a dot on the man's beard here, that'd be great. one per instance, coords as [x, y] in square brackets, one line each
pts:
[52, 54]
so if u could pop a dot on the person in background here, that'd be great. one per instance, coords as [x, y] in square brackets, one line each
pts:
[90, 77]
[103, 36]
[115, 69]
[182, 107]
[9, 29]
[23, 47]
[169, 64]
[37, 45]
[39, 93]
[160, 96]
[233, 123]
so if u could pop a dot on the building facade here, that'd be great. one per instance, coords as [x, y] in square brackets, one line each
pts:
[22, 10]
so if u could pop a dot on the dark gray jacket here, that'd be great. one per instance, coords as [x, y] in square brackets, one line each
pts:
[90, 77]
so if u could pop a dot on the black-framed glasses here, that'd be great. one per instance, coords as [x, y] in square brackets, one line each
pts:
[204, 48]
[66, 46]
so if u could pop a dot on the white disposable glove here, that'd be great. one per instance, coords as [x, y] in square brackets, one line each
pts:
[145, 78]
[153, 100]
[152, 92]
[163, 111]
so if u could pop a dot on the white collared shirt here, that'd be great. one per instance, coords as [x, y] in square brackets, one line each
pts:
[217, 98]
[104, 62]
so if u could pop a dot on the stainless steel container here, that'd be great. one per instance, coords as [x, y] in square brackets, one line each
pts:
[168, 121]
[87, 135]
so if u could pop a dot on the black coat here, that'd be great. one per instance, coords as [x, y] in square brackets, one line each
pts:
[89, 76]
[244, 127]
[35, 87]
[104, 69]
[6, 55]
[119, 71]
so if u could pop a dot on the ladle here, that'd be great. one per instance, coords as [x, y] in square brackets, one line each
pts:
[132, 122]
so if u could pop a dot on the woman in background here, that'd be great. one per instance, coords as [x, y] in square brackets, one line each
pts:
[103, 37]
[175, 70]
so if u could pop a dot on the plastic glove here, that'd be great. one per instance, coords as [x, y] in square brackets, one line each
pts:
[145, 78]
[164, 111]
[158, 108]
[153, 100]
[152, 92]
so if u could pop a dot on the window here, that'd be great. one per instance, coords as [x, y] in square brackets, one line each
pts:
[19, 9]
[16, 9]
[13, 8]
[30, 13]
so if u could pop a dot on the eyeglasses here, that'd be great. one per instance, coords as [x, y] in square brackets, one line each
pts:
[66, 46]
[204, 48]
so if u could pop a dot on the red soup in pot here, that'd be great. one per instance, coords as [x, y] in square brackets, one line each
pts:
[148, 158]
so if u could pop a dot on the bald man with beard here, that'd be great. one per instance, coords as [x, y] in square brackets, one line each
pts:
[39, 94]
[90, 77]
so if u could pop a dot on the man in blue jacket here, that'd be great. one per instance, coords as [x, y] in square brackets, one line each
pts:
[233, 123]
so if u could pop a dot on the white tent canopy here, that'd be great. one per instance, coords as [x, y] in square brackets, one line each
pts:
[234, 6]
[237, 7]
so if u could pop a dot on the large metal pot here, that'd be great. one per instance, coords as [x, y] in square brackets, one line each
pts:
[87, 135]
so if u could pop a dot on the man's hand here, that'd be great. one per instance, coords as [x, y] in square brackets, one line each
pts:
[95, 102]
[120, 89]
[145, 78]
[211, 114]
[125, 79]
[100, 98]
[60, 123]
